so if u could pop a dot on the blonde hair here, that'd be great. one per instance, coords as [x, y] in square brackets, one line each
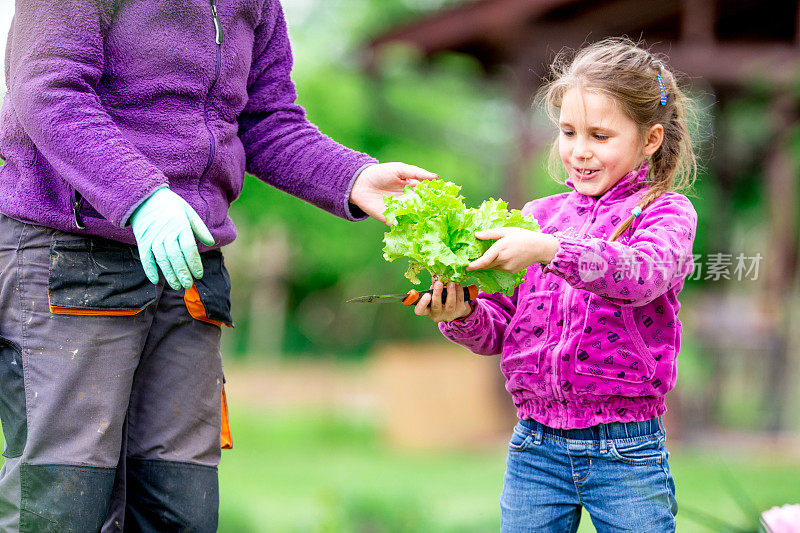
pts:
[629, 74]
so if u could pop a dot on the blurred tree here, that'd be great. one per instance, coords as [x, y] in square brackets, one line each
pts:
[746, 194]
[443, 116]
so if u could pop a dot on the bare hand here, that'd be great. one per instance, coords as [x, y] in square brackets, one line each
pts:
[454, 308]
[515, 250]
[381, 180]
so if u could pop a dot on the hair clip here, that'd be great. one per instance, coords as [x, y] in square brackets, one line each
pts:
[636, 211]
[663, 89]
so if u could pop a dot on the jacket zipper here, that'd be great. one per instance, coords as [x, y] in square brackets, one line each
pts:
[218, 38]
[217, 24]
[568, 299]
[77, 204]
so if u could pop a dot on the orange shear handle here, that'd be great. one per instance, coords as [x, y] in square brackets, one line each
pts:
[470, 293]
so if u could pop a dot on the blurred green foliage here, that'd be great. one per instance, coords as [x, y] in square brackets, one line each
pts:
[443, 115]
[446, 116]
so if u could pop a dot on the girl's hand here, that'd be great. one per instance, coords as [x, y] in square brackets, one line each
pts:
[515, 250]
[454, 308]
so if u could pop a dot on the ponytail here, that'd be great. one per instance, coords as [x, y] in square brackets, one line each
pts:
[651, 196]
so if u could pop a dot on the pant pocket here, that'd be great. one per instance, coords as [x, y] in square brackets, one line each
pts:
[521, 438]
[209, 299]
[638, 451]
[13, 414]
[225, 437]
[95, 276]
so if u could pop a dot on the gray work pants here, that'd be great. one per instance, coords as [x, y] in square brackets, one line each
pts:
[111, 417]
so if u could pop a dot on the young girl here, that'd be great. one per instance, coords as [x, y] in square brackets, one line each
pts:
[589, 340]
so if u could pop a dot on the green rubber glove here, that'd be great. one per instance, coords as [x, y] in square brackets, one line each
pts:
[165, 227]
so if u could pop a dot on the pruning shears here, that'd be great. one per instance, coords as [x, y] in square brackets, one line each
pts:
[411, 297]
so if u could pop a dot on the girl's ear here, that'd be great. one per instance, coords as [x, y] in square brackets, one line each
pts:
[653, 139]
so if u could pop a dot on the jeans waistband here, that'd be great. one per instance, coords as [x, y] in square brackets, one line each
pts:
[613, 430]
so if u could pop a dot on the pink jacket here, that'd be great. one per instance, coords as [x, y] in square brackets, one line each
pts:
[593, 336]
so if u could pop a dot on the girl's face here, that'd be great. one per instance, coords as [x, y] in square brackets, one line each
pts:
[598, 143]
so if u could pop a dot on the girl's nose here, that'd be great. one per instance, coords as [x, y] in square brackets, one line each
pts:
[581, 150]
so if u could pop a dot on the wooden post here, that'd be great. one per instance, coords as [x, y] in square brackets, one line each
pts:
[797, 27]
[260, 265]
[697, 21]
[523, 82]
[525, 148]
[781, 258]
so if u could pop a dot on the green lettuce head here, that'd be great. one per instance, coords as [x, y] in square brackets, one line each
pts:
[434, 229]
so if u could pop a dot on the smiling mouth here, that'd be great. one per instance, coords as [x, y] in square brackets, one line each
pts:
[586, 173]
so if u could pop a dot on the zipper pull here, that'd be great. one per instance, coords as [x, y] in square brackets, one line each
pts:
[217, 23]
[77, 204]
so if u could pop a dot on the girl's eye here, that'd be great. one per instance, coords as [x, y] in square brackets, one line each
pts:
[568, 133]
[600, 137]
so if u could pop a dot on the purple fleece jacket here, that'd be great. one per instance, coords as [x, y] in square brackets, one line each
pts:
[592, 337]
[109, 100]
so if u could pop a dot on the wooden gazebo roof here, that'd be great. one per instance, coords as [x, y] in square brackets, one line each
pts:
[729, 46]
[724, 42]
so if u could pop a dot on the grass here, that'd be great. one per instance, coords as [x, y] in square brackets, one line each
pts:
[305, 473]
[292, 473]
[295, 472]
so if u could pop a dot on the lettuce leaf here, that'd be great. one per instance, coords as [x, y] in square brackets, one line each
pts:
[431, 226]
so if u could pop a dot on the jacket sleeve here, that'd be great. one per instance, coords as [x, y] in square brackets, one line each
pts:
[283, 148]
[482, 331]
[55, 63]
[658, 255]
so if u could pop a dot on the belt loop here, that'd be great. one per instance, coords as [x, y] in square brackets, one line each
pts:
[537, 437]
[603, 438]
[23, 227]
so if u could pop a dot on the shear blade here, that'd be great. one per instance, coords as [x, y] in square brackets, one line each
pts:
[376, 298]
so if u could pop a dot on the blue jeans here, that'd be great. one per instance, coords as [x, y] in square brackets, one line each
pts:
[618, 471]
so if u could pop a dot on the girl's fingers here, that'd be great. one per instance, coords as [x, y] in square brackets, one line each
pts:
[421, 308]
[431, 304]
[459, 295]
[436, 300]
[491, 234]
[486, 260]
[450, 303]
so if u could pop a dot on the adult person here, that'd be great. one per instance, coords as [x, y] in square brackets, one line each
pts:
[126, 131]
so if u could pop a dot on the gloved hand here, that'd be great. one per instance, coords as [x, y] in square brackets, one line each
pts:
[165, 227]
